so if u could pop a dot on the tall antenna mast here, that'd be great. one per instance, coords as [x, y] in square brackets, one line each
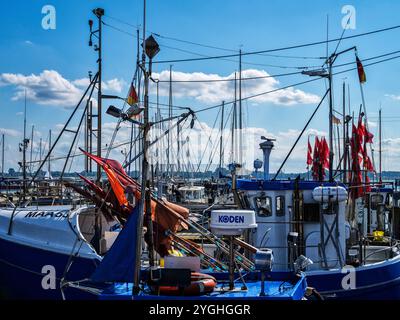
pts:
[99, 13]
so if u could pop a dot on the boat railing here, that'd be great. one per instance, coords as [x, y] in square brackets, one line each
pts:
[392, 248]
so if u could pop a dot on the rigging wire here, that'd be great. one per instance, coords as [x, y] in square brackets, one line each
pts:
[275, 75]
[210, 46]
[207, 56]
[281, 48]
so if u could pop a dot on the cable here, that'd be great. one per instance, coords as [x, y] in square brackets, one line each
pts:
[206, 56]
[294, 85]
[207, 45]
[275, 75]
[282, 48]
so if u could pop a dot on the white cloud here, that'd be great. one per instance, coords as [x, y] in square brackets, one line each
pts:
[28, 42]
[47, 88]
[51, 88]
[393, 96]
[215, 92]
[10, 132]
[115, 84]
[19, 114]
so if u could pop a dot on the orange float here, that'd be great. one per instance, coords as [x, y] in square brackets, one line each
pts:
[200, 284]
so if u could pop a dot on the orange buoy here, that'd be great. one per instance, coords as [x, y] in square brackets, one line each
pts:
[200, 284]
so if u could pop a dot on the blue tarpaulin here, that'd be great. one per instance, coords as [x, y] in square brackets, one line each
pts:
[119, 262]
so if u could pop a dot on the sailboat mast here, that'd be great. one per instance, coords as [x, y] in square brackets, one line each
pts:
[380, 145]
[2, 155]
[240, 108]
[221, 155]
[330, 62]
[24, 146]
[30, 156]
[344, 135]
[49, 163]
[169, 122]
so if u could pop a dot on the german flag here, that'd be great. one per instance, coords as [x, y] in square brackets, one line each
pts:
[132, 96]
[361, 73]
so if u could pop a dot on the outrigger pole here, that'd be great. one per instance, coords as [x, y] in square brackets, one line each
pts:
[300, 135]
[92, 83]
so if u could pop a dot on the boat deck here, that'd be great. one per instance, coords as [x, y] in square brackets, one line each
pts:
[274, 290]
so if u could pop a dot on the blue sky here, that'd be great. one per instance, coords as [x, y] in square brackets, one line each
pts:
[27, 49]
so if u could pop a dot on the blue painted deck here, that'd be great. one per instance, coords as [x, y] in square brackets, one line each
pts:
[278, 286]
[274, 290]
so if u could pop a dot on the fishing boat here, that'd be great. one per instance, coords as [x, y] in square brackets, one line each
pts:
[79, 252]
[352, 254]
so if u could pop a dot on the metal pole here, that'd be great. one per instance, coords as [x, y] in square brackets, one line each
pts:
[344, 136]
[240, 108]
[99, 14]
[145, 184]
[40, 150]
[330, 62]
[30, 156]
[24, 146]
[2, 155]
[169, 122]
[49, 164]
[300, 135]
[380, 145]
[221, 156]
[86, 134]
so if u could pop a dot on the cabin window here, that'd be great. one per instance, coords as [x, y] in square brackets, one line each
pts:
[263, 206]
[311, 212]
[280, 205]
[375, 200]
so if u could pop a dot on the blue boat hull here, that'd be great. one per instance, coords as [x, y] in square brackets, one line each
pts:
[380, 281]
[21, 267]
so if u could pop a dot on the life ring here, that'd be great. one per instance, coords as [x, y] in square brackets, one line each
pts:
[200, 284]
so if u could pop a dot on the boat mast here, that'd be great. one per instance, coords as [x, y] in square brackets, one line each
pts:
[330, 62]
[2, 155]
[344, 135]
[49, 164]
[31, 153]
[221, 155]
[150, 47]
[240, 108]
[99, 12]
[169, 122]
[24, 146]
[380, 145]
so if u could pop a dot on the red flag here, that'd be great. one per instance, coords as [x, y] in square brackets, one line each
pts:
[132, 96]
[316, 159]
[324, 153]
[368, 137]
[309, 152]
[361, 73]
